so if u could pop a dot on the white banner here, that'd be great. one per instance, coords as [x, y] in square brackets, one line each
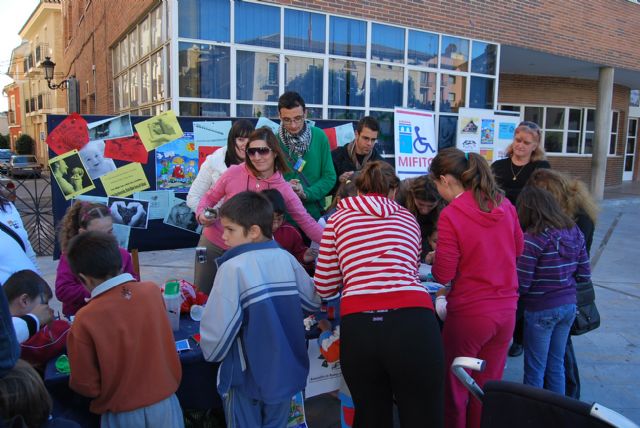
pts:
[415, 141]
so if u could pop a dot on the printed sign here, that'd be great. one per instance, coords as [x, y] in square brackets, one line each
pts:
[415, 142]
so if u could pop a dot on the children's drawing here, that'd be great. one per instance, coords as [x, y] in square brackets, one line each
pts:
[177, 164]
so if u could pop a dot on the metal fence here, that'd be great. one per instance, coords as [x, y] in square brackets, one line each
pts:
[33, 201]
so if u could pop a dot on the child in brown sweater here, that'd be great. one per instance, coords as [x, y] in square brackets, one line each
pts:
[121, 349]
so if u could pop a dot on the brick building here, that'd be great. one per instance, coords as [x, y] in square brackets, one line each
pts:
[14, 114]
[350, 58]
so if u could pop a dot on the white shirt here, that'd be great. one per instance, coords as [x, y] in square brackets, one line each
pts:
[12, 257]
[210, 171]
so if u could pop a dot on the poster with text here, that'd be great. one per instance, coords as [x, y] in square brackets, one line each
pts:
[125, 180]
[415, 142]
[323, 376]
[177, 164]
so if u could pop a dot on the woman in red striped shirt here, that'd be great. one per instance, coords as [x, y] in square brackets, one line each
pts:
[390, 341]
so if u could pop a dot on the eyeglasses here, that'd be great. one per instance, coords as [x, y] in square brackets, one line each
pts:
[262, 151]
[290, 120]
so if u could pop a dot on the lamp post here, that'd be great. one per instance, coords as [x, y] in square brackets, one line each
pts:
[48, 67]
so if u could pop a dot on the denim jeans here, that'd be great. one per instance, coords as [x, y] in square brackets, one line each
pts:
[545, 339]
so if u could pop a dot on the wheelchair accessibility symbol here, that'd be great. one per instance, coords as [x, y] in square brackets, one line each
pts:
[420, 144]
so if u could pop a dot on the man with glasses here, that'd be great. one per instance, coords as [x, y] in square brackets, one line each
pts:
[352, 157]
[308, 153]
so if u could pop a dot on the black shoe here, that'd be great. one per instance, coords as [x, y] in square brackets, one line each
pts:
[515, 349]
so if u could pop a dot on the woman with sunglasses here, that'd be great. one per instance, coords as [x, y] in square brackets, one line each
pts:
[210, 171]
[525, 155]
[263, 168]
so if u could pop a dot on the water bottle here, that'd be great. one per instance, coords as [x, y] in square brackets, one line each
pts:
[173, 301]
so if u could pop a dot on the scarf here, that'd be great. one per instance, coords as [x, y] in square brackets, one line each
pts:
[297, 144]
[351, 150]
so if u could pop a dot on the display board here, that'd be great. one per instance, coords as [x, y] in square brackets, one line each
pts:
[415, 141]
[150, 174]
[487, 132]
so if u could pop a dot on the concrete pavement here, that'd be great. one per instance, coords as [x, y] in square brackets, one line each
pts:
[608, 358]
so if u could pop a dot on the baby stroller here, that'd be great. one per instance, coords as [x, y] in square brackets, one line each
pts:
[509, 404]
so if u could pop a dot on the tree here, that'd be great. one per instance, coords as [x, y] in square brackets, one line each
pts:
[4, 141]
[25, 145]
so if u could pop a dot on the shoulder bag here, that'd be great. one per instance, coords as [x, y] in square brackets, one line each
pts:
[587, 315]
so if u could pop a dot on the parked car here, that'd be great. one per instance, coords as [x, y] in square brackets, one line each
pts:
[5, 156]
[8, 188]
[24, 165]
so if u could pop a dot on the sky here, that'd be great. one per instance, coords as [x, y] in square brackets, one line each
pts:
[13, 15]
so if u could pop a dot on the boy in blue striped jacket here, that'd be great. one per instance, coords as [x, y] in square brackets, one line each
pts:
[252, 322]
[554, 258]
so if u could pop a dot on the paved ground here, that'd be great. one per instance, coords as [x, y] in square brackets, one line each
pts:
[609, 358]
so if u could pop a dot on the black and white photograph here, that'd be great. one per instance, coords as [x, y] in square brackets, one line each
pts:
[129, 212]
[71, 174]
[92, 155]
[181, 216]
[108, 129]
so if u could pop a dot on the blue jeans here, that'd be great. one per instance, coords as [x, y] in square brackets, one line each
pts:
[545, 339]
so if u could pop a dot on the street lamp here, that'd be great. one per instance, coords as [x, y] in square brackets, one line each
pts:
[48, 66]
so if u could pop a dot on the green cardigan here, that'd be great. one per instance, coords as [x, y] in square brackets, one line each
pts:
[318, 170]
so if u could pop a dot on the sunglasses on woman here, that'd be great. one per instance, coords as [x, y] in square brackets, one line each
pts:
[262, 151]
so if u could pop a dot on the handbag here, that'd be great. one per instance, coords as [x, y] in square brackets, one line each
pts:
[587, 315]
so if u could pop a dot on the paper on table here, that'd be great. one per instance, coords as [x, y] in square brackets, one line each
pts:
[424, 272]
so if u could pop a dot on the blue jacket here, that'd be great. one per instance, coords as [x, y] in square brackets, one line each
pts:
[253, 322]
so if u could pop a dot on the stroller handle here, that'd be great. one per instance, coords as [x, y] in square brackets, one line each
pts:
[458, 368]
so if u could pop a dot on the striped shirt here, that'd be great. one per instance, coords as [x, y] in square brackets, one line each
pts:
[371, 248]
[549, 267]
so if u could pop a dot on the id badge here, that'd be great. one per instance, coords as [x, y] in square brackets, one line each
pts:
[299, 166]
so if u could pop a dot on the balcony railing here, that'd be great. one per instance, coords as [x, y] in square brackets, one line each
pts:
[41, 52]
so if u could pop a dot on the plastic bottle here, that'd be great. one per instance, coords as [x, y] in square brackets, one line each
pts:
[173, 301]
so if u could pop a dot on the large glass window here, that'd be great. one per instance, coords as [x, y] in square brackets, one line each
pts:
[346, 82]
[485, 57]
[387, 43]
[386, 86]
[203, 71]
[481, 92]
[257, 76]
[145, 37]
[255, 110]
[145, 82]
[204, 109]
[422, 90]
[204, 19]
[257, 24]
[124, 53]
[156, 27]
[134, 75]
[133, 46]
[347, 37]
[304, 76]
[345, 114]
[454, 54]
[447, 130]
[452, 92]
[423, 49]
[304, 31]
[157, 82]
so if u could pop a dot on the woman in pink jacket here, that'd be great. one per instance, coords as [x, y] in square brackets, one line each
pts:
[479, 239]
[263, 168]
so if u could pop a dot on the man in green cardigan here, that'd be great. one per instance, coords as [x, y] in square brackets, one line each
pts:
[308, 153]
